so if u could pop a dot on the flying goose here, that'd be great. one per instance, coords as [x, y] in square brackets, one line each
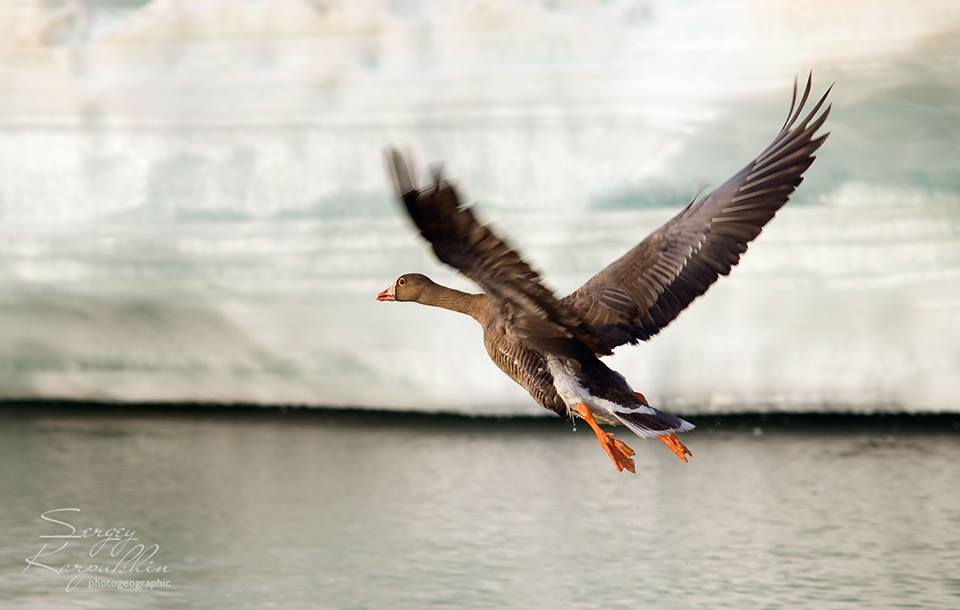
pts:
[551, 346]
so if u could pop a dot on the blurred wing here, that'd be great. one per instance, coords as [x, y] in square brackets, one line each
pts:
[639, 294]
[529, 311]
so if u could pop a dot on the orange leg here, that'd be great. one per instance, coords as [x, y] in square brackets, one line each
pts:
[670, 440]
[618, 451]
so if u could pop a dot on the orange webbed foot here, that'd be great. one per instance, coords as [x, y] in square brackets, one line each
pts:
[620, 453]
[678, 448]
[670, 440]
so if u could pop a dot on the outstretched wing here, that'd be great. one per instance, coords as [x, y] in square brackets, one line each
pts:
[528, 310]
[637, 295]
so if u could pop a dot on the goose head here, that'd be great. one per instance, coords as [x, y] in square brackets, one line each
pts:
[408, 287]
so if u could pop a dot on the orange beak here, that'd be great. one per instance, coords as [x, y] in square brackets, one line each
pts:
[387, 295]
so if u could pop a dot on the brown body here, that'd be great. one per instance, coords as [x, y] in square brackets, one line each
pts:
[526, 366]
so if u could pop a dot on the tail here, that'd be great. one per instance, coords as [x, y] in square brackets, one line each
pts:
[648, 422]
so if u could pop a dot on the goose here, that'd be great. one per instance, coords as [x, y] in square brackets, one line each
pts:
[551, 346]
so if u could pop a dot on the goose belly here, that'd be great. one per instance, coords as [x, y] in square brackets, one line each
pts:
[526, 367]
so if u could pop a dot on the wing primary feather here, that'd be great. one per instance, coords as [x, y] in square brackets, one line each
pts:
[400, 171]
[783, 174]
[793, 103]
[803, 100]
[797, 138]
[787, 128]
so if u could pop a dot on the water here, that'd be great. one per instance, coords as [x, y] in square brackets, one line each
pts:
[365, 511]
[194, 204]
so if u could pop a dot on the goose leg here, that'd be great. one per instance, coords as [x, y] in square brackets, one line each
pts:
[618, 451]
[670, 440]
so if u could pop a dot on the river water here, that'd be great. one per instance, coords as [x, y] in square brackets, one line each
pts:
[293, 510]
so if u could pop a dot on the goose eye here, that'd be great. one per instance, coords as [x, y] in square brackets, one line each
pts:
[401, 282]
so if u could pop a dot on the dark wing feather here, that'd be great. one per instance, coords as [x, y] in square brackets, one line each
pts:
[528, 310]
[637, 295]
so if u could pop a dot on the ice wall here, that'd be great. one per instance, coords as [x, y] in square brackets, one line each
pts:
[193, 204]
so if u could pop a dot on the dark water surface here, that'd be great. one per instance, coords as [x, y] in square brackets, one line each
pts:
[368, 511]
